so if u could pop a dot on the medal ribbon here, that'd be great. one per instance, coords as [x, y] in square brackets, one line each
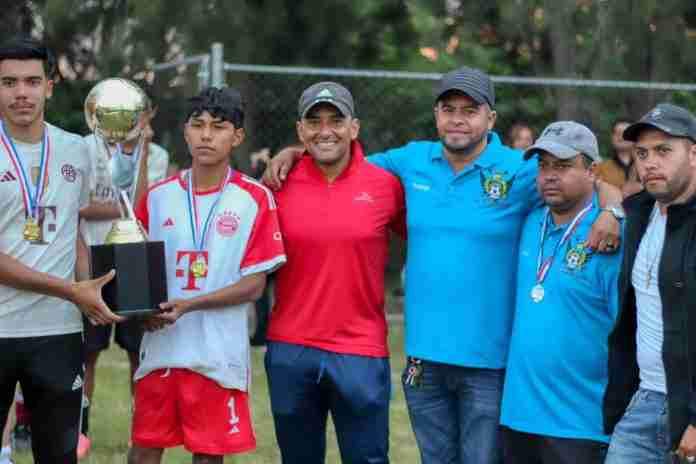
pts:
[30, 196]
[199, 238]
[543, 266]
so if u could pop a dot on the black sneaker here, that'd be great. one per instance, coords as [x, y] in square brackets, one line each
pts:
[21, 437]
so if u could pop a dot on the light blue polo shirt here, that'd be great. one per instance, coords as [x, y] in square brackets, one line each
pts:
[463, 233]
[557, 367]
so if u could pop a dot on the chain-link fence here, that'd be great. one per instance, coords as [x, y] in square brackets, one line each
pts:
[394, 107]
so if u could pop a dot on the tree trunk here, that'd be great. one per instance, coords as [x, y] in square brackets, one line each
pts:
[563, 51]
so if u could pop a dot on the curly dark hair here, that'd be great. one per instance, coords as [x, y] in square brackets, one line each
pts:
[224, 103]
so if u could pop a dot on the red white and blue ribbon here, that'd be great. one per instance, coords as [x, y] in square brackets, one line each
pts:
[30, 195]
[543, 266]
[198, 234]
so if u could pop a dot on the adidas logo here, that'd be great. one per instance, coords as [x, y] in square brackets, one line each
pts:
[364, 196]
[7, 177]
[77, 384]
[168, 223]
[326, 93]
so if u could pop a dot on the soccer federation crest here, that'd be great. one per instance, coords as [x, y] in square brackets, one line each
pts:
[576, 257]
[495, 186]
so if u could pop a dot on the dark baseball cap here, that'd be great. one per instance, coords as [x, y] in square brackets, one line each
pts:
[564, 140]
[670, 119]
[470, 81]
[327, 92]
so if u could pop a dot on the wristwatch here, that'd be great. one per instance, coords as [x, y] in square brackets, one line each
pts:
[616, 210]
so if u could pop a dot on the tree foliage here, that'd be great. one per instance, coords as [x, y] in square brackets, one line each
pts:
[597, 39]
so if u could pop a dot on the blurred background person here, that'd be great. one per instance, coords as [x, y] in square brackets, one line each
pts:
[5, 444]
[520, 136]
[618, 168]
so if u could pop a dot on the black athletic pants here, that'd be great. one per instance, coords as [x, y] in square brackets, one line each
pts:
[50, 371]
[527, 448]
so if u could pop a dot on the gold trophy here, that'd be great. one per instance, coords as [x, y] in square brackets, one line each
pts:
[116, 111]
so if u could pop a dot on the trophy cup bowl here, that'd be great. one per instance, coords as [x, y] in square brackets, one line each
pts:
[116, 110]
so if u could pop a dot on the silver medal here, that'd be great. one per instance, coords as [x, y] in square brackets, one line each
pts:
[537, 293]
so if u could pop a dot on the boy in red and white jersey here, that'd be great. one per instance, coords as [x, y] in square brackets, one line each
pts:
[221, 237]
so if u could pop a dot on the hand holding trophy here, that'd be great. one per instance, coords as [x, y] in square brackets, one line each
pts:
[116, 111]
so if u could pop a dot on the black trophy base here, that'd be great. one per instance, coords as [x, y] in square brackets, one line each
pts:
[140, 283]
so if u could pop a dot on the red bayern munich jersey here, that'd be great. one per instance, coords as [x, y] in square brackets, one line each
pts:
[330, 293]
[243, 239]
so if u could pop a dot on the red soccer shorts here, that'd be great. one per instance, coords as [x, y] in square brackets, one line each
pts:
[179, 406]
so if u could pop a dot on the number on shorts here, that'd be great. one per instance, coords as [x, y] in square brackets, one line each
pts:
[234, 418]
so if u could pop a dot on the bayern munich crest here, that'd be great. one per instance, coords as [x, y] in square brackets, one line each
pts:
[227, 224]
[69, 173]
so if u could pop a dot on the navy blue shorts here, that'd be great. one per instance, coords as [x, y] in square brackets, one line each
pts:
[306, 384]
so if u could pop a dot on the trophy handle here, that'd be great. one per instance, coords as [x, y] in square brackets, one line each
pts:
[107, 150]
[139, 168]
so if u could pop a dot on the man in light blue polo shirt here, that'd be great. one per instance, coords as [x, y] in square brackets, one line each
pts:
[467, 196]
[565, 306]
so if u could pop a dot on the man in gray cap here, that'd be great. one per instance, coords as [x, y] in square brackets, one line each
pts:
[327, 338]
[467, 196]
[650, 402]
[551, 409]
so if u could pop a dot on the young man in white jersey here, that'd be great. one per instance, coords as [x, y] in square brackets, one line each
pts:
[44, 181]
[650, 401]
[221, 235]
[113, 170]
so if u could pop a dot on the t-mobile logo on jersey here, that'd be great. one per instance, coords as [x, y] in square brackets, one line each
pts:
[195, 267]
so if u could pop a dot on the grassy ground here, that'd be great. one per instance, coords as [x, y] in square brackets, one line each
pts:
[111, 415]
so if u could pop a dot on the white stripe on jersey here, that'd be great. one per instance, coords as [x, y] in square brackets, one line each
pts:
[269, 194]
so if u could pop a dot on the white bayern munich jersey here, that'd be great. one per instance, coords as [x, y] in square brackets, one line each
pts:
[29, 314]
[244, 238]
[104, 191]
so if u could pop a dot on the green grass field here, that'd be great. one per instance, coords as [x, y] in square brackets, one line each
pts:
[110, 417]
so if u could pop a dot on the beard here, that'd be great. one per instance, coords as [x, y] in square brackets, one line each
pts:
[673, 188]
[465, 149]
